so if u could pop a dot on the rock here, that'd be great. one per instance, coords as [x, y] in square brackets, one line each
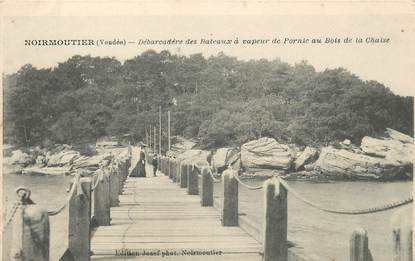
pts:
[397, 147]
[236, 165]
[220, 159]
[396, 135]
[340, 162]
[20, 158]
[180, 145]
[347, 142]
[62, 158]
[54, 171]
[193, 156]
[309, 167]
[266, 153]
[107, 144]
[41, 161]
[307, 156]
[294, 151]
[91, 162]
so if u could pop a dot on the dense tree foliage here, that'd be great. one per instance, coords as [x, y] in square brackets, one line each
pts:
[220, 100]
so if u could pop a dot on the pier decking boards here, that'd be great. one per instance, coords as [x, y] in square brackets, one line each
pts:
[156, 219]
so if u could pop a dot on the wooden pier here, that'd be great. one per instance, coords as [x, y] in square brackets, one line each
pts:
[172, 217]
[158, 218]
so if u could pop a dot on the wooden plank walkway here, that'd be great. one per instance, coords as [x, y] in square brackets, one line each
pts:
[157, 217]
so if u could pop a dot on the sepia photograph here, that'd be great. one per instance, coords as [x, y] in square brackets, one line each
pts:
[279, 137]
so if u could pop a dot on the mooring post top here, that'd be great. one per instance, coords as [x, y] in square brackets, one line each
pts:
[273, 184]
[359, 232]
[229, 173]
[23, 193]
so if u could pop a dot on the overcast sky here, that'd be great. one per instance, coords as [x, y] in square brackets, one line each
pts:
[391, 64]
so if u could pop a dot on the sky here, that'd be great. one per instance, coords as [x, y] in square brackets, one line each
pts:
[391, 64]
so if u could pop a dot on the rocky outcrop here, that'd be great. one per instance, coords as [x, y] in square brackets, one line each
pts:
[20, 158]
[62, 158]
[266, 153]
[180, 145]
[195, 156]
[397, 147]
[91, 163]
[221, 158]
[343, 163]
[309, 155]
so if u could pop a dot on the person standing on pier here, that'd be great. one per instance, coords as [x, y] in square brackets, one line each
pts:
[155, 164]
[140, 169]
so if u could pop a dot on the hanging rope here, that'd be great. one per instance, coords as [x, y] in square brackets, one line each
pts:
[215, 179]
[13, 211]
[246, 185]
[97, 180]
[347, 212]
[71, 193]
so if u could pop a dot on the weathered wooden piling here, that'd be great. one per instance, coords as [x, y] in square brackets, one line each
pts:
[166, 169]
[183, 175]
[178, 169]
[102, 200]
[170, 168]
[359, 246]
[123, 168]
[192, 180]
[159, 162]
[230, 199]
[174, 170]
[30, 234]
[402, 235]
[275, 223]
[114, 180]
[79, 244]
[207, 188]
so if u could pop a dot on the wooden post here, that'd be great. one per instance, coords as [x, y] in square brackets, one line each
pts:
[183, 175]
[159, 162]
[230, 199]
[359, 246]
[402, 235]
[159, 131]
[192, 180]
[79, 244]
[178, 171]
[164, 163]
[30, 234]
[114, 180]
[275, 223]
[170, 168]
[123, 173]
[168, 131]
[102, 200]
[174, 170]
[207, 188]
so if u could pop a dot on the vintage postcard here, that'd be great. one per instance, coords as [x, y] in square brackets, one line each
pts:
[207, 131]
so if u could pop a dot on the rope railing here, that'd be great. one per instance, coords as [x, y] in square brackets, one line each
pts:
[98, 179]
[325, 209]
[215, 179]
[345, 211]
[71, 193]
[246, 185]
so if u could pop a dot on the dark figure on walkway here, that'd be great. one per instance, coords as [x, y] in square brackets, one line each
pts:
[140, 169]
[155, 164]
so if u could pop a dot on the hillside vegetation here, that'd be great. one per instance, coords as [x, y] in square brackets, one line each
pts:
[220, 100]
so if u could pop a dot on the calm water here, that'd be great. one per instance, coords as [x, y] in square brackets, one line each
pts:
[325, 236]
[322, 235]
